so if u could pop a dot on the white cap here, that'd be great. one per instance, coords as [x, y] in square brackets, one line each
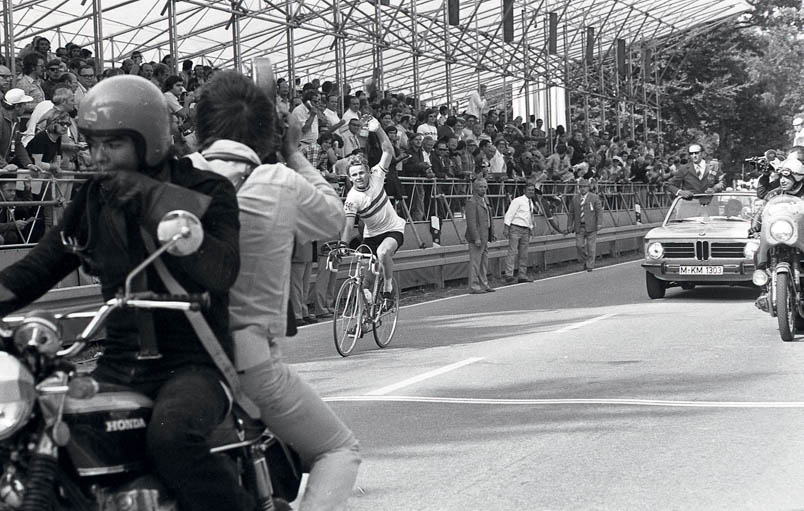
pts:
[16, 96]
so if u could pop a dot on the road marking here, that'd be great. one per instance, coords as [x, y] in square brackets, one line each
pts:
[582, 323]
[416, 379]
[543, 402]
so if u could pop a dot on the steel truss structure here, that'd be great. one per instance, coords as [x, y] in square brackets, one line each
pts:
[410, 41]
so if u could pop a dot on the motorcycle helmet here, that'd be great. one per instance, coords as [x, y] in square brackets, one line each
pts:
[792, 167]
[129, 105]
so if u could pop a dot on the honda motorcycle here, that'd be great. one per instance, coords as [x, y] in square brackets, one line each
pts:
[68, 442]
[778, 259]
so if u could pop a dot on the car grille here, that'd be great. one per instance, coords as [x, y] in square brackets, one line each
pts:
[704, 250]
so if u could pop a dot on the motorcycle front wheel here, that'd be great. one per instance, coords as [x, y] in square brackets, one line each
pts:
[786, 307]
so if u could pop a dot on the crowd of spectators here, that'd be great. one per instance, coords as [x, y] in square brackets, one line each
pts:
[431, 141]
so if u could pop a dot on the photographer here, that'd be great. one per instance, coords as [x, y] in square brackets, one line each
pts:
[768, 178]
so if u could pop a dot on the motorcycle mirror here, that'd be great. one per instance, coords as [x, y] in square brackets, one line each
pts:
[39, 330]
[181, 231]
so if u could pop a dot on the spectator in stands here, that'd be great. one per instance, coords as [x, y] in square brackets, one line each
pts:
[15, 221]
[308, 114]
[161, 72]
[418, 166]
[798, 130]
[538, 132]
[558, 165]
[147, 71]
[447, 129]
[45, 147]
[73, 51]
[5, 80]
[12, 151]
[468, 130]
[497, 170]
[442, 165]
[696, 176]
[443, 114]
[63, 101]
[61, 54]
[178, 100]
[86, 80]
[578, 148]
[477, 103]
[53, 74]
[282, 97]
[479, 232]
[126, 66]
[351, 138]
[585, 218]
[168, 61]
[330, 114]
[518, 228]
[467, 151]
[33, 66]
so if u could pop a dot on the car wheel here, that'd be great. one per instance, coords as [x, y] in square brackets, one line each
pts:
[656, 287]
[687, 286]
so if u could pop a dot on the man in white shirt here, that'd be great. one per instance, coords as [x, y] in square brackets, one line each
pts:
[331, 114]
[429, 128]
[307, 113]
[477, 103]
[518, 229]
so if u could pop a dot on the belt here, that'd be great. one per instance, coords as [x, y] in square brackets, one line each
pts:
[520, 226]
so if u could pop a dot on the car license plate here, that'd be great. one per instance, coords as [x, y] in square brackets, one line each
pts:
[700, 270]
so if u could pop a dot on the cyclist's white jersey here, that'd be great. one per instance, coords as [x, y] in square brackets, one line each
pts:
[372, 205]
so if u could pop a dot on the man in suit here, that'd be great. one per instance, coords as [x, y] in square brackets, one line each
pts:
[479, 231]
[696, 176]
[584, 219]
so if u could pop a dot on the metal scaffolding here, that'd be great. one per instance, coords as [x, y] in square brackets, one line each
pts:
[411, 42]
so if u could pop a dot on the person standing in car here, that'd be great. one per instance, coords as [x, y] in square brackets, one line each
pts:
[696, 176]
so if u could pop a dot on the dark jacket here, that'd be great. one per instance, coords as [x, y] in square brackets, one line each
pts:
[686, 178]
[11, 136]
[593, 213]
[118, 247]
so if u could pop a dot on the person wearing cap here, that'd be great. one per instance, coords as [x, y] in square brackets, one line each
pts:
[791, 182]
[584, 218]
[11, 147]
[696, 176]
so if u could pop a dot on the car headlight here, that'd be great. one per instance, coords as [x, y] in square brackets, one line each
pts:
[654, 250]
[750, 249]
[17, 395]
[781, 231]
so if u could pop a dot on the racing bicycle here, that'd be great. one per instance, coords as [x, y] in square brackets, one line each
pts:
[357, 308]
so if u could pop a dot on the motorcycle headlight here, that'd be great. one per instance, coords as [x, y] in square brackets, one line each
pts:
[17, 395]
[654, 250]
[750, 249]
[781, 231]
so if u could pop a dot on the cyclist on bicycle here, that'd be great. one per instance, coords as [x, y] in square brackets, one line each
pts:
[383, 230]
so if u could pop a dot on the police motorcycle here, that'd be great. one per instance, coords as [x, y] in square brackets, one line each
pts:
[68, 442]
[779, 255]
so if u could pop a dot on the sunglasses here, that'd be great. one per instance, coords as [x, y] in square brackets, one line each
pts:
[695, 152]
[66, 123]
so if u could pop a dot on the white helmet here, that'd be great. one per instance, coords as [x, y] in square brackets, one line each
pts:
[793, 167]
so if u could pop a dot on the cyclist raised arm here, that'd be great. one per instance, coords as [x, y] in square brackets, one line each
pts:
[383, 230]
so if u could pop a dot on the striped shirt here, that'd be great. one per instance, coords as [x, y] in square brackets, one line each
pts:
[373, 207]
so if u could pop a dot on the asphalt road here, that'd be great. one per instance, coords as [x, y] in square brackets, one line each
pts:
[574, 392]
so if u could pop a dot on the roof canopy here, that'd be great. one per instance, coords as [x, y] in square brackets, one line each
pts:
[419, 51]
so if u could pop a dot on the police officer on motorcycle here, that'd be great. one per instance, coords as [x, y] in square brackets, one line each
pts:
[126, 122]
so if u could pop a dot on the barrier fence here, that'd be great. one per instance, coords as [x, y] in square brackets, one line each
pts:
[37, 201]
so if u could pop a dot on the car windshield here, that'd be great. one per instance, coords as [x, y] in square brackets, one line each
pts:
[712, 208]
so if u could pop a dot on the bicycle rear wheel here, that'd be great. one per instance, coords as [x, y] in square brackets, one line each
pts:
[345, 323]
[385, 318]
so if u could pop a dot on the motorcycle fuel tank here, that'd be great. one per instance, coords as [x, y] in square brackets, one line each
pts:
[107, 432]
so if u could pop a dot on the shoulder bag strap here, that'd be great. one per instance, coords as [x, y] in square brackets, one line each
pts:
[205, 335]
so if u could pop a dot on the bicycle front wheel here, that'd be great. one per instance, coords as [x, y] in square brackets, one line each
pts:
[345, 323]
[385, 318]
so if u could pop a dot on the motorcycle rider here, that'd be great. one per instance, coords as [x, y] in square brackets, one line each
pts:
[279, 203]
[126, 122]
[791, 182]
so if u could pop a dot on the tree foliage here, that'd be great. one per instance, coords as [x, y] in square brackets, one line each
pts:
[737, 84]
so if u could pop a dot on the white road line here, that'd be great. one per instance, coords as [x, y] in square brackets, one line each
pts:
[416, 379]
[582, 323]
[596, 402]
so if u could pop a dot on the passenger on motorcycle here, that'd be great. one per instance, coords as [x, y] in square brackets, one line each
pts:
[791, 182]
[126, 122]
[278, 203]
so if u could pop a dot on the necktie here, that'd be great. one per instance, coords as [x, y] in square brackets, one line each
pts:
[583, 203]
